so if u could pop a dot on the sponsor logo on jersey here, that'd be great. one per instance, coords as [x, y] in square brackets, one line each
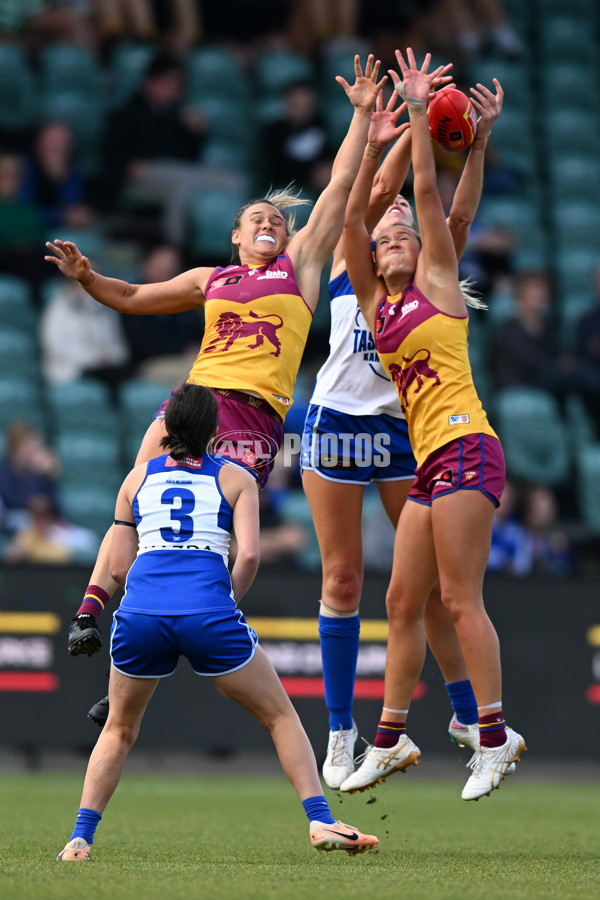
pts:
[464, 419]
[249, 458]
[470, 475]
[414, 304]
[274, 274]
[283, 400]
[225, 282]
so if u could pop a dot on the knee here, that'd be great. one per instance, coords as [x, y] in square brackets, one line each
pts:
[451, 603]
[125, 734]
[342, 586]
[400, 610]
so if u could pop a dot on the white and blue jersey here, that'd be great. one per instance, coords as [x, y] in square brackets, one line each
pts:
[355, 430]
[180, 573]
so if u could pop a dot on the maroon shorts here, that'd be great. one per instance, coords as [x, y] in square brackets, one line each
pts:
[471, 463]
[250, 431]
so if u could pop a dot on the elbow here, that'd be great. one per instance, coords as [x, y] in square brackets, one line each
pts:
[119, 574]
[460, 220]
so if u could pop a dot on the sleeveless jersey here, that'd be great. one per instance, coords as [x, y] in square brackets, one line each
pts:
[256, 329]
[425, 353]
[352, 379]
[184, 524]
[179, 505]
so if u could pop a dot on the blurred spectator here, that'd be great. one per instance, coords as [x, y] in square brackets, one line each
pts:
[247, 26]
[281, 540]
[52, 182]
[40, 21]
[29, 468]
[80, 336]
[47, 538]
[166, 345]
[153, 145]
[549, 544]
[174, 23]
[297, 142]
[474, 25]
[528, 350]
[325, 24]
[528, 342]
[22, 231]
[510, 552]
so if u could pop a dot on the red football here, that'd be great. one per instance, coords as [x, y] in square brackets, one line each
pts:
[452, 119]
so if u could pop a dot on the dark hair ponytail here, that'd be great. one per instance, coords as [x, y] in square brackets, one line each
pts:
[191, 417]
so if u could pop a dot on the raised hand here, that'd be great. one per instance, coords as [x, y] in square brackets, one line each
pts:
[71, 262]
[383, 128]
[363, 93]
[416, 84]
[488, 105]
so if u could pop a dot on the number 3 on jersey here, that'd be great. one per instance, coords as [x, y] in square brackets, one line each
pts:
[180, 514]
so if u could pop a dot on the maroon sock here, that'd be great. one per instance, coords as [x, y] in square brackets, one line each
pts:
[492, 730]
[94, 601]
[388, 733]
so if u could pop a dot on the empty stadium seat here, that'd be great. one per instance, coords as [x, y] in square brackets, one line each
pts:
[215, 71]
[83, 403]
[588, 486]
[274, 70]
[16, 304]
[70, 67]
[139, 400]
[88, 505]
[18, 89]
[212, 213]
[20, 398]
[533, 434]
[91, 458]
[19, 352]
[127, 65]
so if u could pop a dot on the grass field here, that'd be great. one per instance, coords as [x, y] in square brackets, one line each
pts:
[236, 836]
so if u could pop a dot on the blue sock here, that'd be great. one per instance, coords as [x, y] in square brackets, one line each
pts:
[85, 827]
[463, 701]
[339, 652]
[317, 810]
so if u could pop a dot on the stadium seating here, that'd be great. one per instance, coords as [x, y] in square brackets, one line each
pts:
[214, 71]
[126, 68]
[274, 70]
[533, 434]
[18, 89]
[88, 505]
[20, 398]
[66, 67]
[93, 458]
[212, 213]
[18, 352]
[588, 486]
[16, 305]
[81, 404]
[138, 401]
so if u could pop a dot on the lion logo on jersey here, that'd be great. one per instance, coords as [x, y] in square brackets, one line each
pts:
[230, 327]
[416, 371]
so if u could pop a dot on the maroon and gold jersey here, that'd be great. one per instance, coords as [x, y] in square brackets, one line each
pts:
[256, 328]
[425, 353]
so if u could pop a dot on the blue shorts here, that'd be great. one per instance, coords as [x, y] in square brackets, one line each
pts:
[149, 646]
[356, 449]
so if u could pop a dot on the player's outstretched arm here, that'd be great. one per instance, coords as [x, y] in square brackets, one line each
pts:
[468, 192]
[313, 245]
[181, 293]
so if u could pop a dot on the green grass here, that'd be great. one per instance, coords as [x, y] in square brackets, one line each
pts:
[247, 837]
